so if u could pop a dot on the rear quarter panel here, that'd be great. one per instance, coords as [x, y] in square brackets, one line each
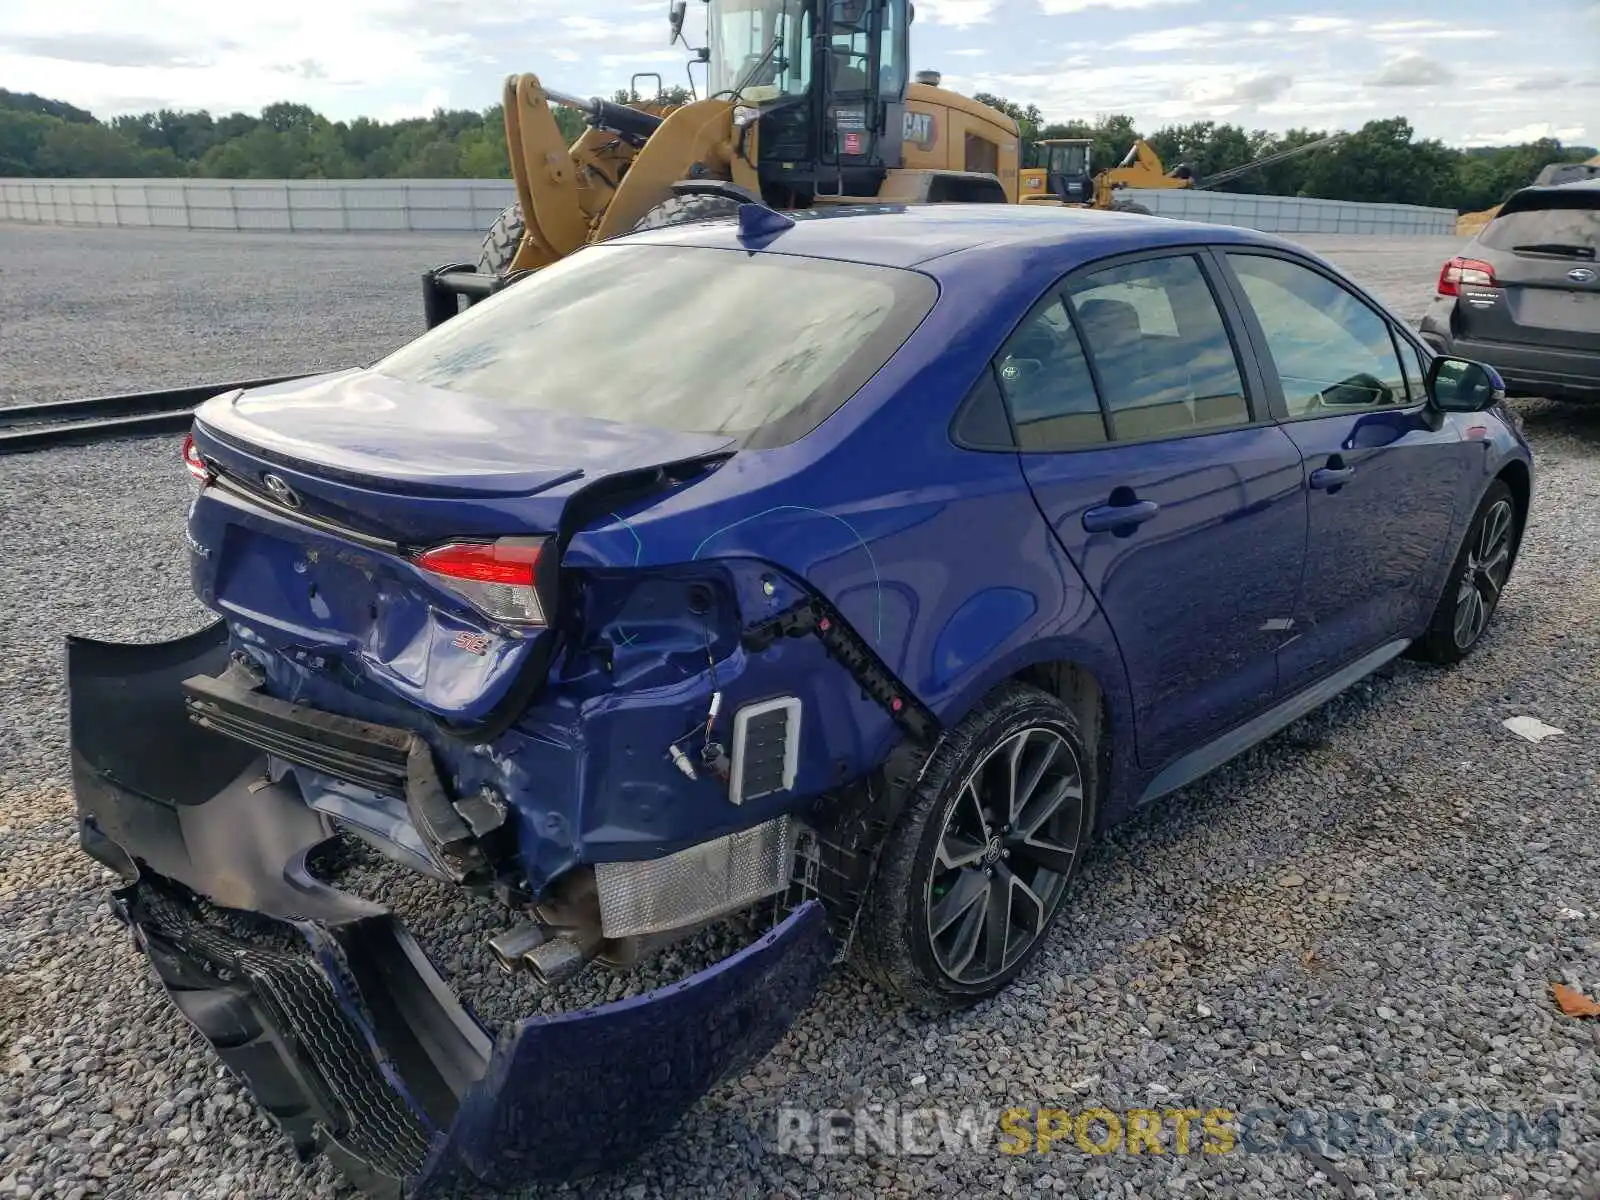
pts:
[936, 555]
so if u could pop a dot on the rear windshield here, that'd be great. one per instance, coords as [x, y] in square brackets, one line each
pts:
[1552, 224]
[691, 339]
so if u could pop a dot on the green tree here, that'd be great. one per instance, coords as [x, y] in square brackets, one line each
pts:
[69, 149]
[22, 132]
[1381, 163]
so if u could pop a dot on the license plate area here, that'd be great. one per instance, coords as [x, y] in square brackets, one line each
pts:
[1553, 309]
[339, 594]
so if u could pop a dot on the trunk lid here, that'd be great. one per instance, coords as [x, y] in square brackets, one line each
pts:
[326, 490]
[1543, 248]
[415, 463]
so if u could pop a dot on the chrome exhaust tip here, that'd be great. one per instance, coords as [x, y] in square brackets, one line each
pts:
[552, 955]
[512, 948]
[559, 959]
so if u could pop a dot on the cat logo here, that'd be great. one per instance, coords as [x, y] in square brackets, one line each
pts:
[921, 130]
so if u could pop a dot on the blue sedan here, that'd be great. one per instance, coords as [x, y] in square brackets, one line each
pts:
[863, 563]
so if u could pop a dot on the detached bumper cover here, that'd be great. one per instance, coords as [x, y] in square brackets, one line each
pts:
[331, 1012]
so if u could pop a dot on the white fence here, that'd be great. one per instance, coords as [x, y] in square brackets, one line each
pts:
[471, 205]
[1290, 214]
[285, 206]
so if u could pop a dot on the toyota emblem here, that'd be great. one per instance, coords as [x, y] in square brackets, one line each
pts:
[1581, 275]
[281, 491]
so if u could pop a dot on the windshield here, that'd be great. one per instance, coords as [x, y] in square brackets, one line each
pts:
[695, 340]
[763, 45]
[1069, 160]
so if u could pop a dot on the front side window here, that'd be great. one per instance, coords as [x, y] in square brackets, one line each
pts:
[681, 338]
[1160, 348]
[1332, 352]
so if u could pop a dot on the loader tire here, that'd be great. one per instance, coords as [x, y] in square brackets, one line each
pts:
[686, 210]
[1131, 207]
[501, 242]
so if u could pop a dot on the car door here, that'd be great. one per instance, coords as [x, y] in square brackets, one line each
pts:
[1182, 512]
[1383, 474]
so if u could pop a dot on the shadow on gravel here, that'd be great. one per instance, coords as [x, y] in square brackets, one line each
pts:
[1573, 419]
[1128, 900]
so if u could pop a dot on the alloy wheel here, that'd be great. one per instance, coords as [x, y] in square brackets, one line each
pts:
[1010, 839]
[1488, 564]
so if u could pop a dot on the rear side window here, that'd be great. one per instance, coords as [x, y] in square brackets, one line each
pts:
[1045, 380]
[692, 339]
[1564, 226]
[1159, 348]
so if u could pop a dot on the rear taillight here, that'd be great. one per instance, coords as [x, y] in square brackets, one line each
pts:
[499, 579]
[192, 462]
[1469, 272]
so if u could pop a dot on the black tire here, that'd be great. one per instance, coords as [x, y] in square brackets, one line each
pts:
[896, 945]
[501, 242]
[1131, 207]
[1488, 553]
[686, 210]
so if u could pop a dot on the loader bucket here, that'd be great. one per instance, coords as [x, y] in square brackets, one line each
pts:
[333, 1015]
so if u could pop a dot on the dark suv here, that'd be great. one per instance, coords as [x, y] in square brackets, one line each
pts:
[1524, 296]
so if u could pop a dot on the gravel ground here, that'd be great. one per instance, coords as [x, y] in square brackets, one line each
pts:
[1363, 914]
[92, 312]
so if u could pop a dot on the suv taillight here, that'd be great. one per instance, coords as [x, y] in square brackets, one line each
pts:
[1473, 272]
[499, 579]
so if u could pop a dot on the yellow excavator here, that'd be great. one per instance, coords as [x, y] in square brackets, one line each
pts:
[1068, 176]
[808, 102]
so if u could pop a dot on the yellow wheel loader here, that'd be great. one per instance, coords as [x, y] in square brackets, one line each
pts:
[1067, 177]
[809, 102]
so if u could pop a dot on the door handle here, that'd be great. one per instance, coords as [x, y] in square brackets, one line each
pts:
[1334, 475]
[1110, 518]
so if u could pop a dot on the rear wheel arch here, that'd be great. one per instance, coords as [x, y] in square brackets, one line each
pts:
[1083, 681]
[1076, 685]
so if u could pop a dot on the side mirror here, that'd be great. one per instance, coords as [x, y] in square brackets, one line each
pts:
[1461, 385]
[677, 13]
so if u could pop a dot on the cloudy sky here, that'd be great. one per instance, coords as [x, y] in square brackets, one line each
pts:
[1467, 71]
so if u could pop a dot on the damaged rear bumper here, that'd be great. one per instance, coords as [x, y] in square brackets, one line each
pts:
[327, 1008]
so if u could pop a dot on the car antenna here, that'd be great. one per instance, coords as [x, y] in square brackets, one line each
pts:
[757, 222]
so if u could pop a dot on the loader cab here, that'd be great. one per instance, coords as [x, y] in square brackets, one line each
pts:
[821, 90]
[1069, 169]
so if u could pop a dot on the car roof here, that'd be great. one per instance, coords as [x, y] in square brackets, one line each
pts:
[913, 235]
